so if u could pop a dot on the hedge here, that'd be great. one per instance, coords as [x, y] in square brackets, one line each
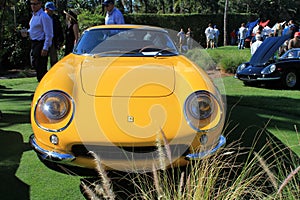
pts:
[197, 22]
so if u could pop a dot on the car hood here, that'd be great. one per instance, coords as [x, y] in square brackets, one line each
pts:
[127, 76]
[267, 49]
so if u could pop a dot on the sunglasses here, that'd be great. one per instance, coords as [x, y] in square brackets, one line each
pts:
[34, 4]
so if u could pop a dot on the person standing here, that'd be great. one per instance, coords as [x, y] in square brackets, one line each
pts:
[295, 42]
[216, 37]
[256, 44]
[233, 37]
[58, 35]
[242, 36]
[189, 38]
[71, 32]
[181, 38]
[41, 34]
[209, 32]
[113, 14]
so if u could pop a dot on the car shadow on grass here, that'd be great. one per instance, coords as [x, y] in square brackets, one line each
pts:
[11, 150]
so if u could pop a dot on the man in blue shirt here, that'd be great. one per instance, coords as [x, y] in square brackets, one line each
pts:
[113, 14]
[41, 34]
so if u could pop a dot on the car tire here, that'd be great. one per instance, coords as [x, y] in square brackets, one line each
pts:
[289, 80]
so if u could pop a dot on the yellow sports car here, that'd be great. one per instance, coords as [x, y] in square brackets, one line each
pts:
[127, 95]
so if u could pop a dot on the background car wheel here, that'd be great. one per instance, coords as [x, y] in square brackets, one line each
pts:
[290, 80]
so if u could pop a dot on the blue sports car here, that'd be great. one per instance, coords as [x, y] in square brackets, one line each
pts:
[265, 68]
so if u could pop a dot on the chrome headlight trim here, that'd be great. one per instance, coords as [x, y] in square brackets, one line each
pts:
[209, 103]
[58, 117]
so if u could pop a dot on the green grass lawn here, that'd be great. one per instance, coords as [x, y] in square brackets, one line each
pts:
[24, 177]
[277, 110]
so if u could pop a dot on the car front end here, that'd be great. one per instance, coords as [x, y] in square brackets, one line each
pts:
[133, 112]
[259, 74]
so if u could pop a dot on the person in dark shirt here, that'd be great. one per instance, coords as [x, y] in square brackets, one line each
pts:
[71, 32]
[58, 35]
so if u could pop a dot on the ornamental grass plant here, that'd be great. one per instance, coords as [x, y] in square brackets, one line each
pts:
[234, 172]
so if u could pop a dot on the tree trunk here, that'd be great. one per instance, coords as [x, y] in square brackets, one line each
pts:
[225, 22]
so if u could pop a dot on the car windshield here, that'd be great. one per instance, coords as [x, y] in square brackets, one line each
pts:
[125, 42]
[293, 53]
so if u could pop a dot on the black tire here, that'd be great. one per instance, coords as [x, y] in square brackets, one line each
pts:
[289, 80]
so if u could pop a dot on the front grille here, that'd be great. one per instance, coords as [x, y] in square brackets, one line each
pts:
[247, 77]
[134, 153]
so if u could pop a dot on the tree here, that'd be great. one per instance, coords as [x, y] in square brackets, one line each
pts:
[225, 22]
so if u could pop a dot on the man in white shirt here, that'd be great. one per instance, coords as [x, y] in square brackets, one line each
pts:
[210, 35]
[256, 44]
[242, 36]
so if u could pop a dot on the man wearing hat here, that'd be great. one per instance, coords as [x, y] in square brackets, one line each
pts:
[113, 14]
[40, 33]
[58, 35]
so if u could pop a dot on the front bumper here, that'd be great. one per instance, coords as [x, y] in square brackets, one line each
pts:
[202, 154]
[252, 78]
[67, 158]
[49, 155]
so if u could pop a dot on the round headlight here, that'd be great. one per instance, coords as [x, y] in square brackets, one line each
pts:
[272, 68]
[54, 111]
[241, 67]
[269, 69]
[54, 105]
[202, 110]
[200, 107]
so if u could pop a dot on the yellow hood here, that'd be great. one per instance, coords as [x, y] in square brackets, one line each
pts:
[124, 77]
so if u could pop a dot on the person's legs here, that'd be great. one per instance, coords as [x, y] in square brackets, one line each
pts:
[207, 43]
[53, 55]
[37, 61]
[212, 45]
[242, 43]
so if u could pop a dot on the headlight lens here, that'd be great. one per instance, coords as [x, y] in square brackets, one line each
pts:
[52, 111]
[241, 67]
[202, 111]
[269, 69]
[200, 106]
[54, 105]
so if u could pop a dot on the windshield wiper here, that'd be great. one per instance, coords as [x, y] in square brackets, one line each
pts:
[167, 50]
[113, 52]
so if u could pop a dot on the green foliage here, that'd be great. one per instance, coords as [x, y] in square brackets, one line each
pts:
[14, 50]
[229, 58]
[201, 58]
[87, 19]
[225, 58]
